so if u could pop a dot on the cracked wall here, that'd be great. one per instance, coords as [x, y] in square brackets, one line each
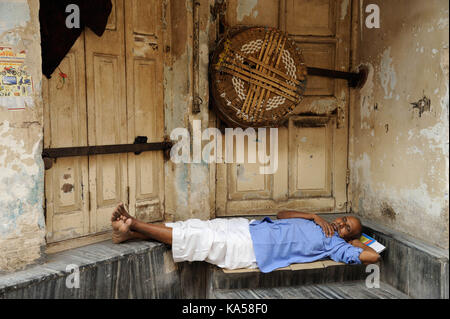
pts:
[22, 220]
[189, 188]
[399, 140]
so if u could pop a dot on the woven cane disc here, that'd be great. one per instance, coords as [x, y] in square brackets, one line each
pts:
[258, 77]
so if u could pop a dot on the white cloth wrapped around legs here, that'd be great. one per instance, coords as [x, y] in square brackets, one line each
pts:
[225, 242]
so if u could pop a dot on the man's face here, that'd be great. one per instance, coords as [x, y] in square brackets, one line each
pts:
[347, 227]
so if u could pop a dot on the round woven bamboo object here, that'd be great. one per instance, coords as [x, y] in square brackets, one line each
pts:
[258, 77]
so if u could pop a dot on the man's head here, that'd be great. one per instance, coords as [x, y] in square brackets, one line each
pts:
[348, 227]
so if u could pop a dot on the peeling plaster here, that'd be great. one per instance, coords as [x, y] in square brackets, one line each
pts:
[22, 221]
[187, 187]
[399, 161]
[401, 200]
[443, 23]
[245, 8]
[388, 77]
[13, 14]
[18, 178]
[367, 101]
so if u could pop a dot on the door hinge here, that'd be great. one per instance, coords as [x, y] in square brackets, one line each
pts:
[347, 177]
[348, 207]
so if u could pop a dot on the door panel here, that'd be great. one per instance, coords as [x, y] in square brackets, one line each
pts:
[245, 181]
[310, 161]
[66, 184]
[312, 148]
[319, 55]
[106, 103]
[144, 45]
[112, 93]
[310, 17]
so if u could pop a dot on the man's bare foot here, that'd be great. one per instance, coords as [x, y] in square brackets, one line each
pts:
[121, 230]
[120, 213]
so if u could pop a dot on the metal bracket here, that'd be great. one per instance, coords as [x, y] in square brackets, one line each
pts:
[355, 80]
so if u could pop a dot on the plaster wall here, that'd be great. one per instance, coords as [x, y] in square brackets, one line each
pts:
[188, 187]
[22, 219]
[399, 141]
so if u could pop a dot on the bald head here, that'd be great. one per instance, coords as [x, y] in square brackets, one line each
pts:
[348, 227]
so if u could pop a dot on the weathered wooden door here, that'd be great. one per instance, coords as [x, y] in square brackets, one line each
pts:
[312, 146]
[111, 93]
[144, 50]
[65, 125]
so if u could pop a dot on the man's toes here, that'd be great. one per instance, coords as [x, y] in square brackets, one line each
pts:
[123, 211]
[116, 211]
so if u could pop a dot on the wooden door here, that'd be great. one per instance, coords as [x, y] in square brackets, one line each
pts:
[312, 145]
[111, 92]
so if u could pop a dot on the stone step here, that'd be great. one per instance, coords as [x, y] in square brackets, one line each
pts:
[341, 290]
[320, 272]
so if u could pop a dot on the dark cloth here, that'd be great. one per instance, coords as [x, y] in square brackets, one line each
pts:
[56, 38]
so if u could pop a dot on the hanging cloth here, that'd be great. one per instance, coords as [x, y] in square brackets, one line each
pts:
[56, 38]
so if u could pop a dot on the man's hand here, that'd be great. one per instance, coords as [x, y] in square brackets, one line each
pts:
[368, 255]
[356, 242]
[326, 226]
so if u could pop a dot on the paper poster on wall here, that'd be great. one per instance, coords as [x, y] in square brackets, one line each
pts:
[16, 85]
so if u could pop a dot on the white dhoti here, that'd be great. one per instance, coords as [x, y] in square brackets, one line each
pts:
[226, 243]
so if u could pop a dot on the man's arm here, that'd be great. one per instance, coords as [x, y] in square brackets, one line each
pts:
[368, 255]
[294, 214]
[326, 226]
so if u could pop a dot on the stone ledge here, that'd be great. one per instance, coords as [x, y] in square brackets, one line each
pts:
[406, 239]
[412, 266]
[105, 255]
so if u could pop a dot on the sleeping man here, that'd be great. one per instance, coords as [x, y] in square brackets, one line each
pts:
[233, 243]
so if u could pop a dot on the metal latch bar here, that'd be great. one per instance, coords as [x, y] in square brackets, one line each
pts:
[105, 149]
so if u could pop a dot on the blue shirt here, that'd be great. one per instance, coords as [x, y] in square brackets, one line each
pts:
[282, 242]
